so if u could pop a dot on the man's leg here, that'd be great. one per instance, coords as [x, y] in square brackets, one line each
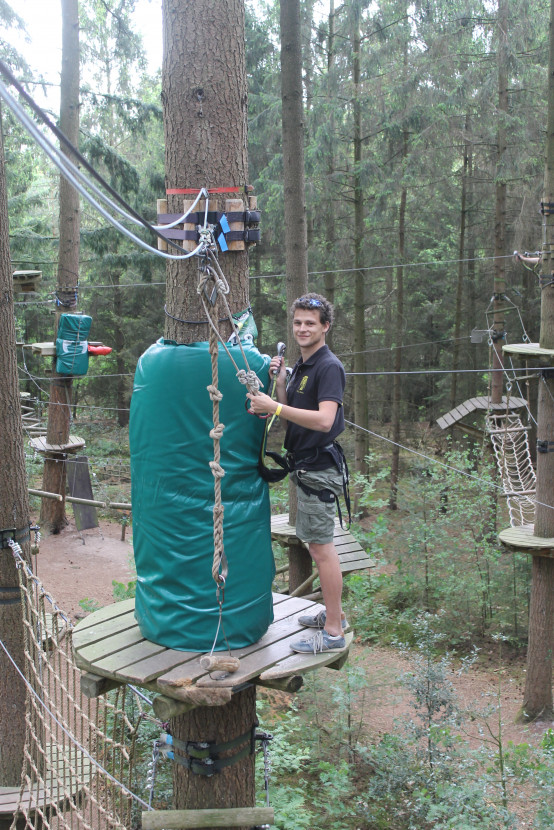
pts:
[330, 576]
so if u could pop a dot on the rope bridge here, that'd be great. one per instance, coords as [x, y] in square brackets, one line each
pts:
[510, 443]
[77, 750]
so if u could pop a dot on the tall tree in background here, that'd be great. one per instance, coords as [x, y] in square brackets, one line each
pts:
[205, 105]
[52, 516]
[537, 699]
[499, 301]
[296, 233]
[14, 516]
[360, 379]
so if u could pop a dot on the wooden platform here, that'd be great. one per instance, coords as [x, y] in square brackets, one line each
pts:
[352, 556]
[26, 281]
[109, 643]
[474, 404]
[40, 444]
[529, 350]
[522, 539]
[45, 349]
[68, 786]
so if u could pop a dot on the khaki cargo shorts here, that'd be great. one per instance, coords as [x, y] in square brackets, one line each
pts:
[315, 519]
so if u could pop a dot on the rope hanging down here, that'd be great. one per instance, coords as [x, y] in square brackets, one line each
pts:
[213, 289]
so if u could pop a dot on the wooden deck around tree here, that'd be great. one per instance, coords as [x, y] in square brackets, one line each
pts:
[352, 556]
[40, 444]
[528, 350]
[522, 539]
[109, 643]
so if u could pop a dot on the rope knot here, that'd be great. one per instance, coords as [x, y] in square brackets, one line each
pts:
[217, 469]
[217, 432]
[250, 379]
[215, 394]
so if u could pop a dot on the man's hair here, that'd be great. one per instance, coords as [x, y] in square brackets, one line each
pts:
[315, 302]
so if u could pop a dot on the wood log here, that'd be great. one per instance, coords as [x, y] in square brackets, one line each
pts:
[93, 685]
[220, 662]
[216, 817]
[167, 707]
[287, 684]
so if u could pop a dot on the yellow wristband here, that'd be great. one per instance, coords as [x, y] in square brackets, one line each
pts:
[278, 410]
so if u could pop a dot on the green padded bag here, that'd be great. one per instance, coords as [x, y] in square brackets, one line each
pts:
[72, 344]
[172, 495]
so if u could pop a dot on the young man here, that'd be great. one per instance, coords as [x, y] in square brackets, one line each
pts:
[311, 405]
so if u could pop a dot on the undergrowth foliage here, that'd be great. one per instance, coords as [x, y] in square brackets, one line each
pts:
[445, 560]
[424, 774]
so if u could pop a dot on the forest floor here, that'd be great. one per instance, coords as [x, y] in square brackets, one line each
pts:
[77, 568]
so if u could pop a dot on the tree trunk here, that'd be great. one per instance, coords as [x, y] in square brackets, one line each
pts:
[537, 699]
[331, 236]
[473, 364]
[204, 96]
[296, 234]
[14, 515]
[397, 378]
[499, 302]
[52, 516]
[234, 786]
[360, 379]
[460, 282]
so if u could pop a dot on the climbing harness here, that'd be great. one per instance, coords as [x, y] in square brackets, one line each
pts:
[325, 494]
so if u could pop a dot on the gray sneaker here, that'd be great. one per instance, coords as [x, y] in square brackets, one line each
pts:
[317, 620]
[318, 643]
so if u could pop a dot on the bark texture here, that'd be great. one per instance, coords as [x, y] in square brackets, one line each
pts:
[234, 786]
[296, 232]
[205, 104]
[204, 96]
[52, 515]
[361, 441]
[537, 700]
[14, 514]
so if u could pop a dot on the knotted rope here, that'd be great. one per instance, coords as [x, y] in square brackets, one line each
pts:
[219, 565]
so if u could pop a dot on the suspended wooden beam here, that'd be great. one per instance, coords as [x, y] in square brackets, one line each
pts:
[116, 505]
[234, 817]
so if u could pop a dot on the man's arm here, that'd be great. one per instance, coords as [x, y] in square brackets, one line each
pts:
[320, 420]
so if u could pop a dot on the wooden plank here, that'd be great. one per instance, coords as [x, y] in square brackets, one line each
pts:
[348, 546]
[106, 613]
[110, 645]
[253, 659]
[115, 664]
[106, 629]
[254, 664]
[223, 817]
[302, 663]
[358, 565]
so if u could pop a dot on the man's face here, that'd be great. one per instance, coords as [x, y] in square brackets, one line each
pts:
[308, 329]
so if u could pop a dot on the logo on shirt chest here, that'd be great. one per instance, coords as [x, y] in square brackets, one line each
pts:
[303, 383]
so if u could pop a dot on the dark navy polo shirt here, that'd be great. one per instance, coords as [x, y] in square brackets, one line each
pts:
[320, 378]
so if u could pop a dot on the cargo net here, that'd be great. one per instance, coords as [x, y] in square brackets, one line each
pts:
[510, 442]
[77, 750]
